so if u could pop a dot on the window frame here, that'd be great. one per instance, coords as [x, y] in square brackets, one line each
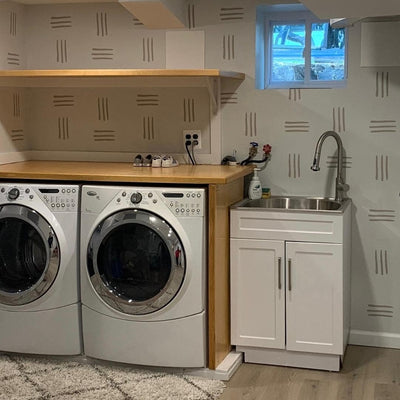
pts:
[291, 18]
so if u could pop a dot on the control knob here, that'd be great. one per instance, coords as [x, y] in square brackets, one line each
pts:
[136, 198]
[13, 194]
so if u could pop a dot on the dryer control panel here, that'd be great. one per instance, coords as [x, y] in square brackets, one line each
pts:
[62, 199]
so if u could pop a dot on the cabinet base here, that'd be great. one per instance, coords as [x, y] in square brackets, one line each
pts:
[329, 362]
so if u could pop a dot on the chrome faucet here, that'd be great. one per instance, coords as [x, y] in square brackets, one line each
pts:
[341, 187]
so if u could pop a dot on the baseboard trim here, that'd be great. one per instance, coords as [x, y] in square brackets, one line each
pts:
[374, 339]
[112, 156]
[16, 156]
[286, 358]
[224, 371]
[95, 156]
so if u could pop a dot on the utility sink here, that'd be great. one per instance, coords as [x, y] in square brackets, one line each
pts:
[297, 203]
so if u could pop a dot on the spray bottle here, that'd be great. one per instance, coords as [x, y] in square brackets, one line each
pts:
[255, 189]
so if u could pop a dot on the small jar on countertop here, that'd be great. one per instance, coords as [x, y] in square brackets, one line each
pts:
[266, 193]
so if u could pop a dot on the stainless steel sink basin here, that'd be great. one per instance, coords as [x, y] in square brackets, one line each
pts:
[295, 203]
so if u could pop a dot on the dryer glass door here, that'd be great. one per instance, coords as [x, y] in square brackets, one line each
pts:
[136, 262]
[29, 255]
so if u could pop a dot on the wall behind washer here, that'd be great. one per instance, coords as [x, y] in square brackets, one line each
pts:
[13, 137]
[96, 123]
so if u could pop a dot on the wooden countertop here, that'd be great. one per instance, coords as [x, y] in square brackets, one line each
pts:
[121, 172]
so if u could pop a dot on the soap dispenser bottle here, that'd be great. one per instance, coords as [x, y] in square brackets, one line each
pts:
[255, 189]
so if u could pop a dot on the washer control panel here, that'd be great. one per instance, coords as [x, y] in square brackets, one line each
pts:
[180, 201]
[187, 202]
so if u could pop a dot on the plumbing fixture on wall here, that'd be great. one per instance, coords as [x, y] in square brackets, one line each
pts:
[253, 152]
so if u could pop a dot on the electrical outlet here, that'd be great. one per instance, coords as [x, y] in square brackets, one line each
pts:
[190, 135]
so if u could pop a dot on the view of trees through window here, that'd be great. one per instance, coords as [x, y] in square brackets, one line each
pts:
[326, 55]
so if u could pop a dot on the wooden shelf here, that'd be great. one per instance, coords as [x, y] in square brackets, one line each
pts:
[120, 73]
[207, 78]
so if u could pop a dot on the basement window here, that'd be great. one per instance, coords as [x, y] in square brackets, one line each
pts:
[294, 49]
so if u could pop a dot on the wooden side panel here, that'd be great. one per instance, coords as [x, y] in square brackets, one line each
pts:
[221, 197]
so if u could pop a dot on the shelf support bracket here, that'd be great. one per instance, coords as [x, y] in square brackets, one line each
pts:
[213, 86]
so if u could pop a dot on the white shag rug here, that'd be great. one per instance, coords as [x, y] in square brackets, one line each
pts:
[42, 378]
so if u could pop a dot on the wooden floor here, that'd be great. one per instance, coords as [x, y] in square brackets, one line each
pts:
[368, 373]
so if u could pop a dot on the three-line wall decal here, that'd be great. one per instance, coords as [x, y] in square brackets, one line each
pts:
[381, 262]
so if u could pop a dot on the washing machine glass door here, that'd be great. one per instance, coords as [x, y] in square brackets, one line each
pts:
[136, 262]
[29, 255]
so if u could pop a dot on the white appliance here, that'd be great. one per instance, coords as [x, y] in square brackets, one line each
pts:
[39, 284]
[143, 275]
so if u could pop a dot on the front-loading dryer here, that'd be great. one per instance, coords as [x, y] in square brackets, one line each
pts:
[39, 292]
[143, 275]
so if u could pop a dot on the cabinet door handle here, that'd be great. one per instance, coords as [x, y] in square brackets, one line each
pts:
[279, 273]
[290, 274]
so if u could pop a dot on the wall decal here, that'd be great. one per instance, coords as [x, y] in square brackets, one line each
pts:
[148, 128]
[294, 165]
[102, 53]
[17, 135]
[381, 262]
[382, 215]
[295, 94]
[229, 98]
[190, 16]
[228, 47]
[102, 24]
[104, 135]
[296, 126]
[136, 22]
[16, 105]
[383, 126]
[147, 99]
[231, 13]
[62, 53]
[58, 22]
[332, 161]
[250, 124]
[63, 128]
[381, 167]
[63, 100]
[382, 84]
[188, 110]
[379, 310]
[13, 59]
[339, 120]
[13, 23]
[148, 49]
[102, 109]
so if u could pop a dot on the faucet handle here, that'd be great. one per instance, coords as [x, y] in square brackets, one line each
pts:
[343, 187]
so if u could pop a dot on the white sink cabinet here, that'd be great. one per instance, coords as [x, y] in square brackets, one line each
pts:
[290, 277]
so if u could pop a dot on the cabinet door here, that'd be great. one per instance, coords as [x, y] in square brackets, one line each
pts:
[314, 297]
[257, 293]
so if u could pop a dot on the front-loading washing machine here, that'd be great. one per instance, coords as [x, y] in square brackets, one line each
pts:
[143, 275]
[39, 285]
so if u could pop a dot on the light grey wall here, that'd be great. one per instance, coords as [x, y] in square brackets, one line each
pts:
[365, 114]
[13, 137]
